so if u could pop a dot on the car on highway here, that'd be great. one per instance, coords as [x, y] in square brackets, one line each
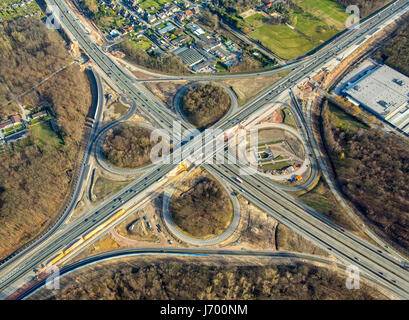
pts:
[238, 179]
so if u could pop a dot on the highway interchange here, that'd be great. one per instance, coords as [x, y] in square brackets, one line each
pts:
[377, 264]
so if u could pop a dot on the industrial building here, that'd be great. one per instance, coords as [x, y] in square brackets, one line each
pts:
[384, 92]
[190, 56]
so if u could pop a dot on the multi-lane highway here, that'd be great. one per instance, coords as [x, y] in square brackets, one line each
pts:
[324, 234]
[341, 243]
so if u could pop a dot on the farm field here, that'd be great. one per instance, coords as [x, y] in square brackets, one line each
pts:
[314, 28]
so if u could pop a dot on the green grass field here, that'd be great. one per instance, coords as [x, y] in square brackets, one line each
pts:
[157, 4]
[282, 40]
[343, 120]
[288, 118]
[318, 21]
[45, 134]
[314, 28]
[317, 198]
[255, 21]
[275, 166]
[328, 11]
[143, 44]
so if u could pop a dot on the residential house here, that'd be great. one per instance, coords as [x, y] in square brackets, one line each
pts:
[39, 114]
[188, 13]
[181, 17]
[12, 121]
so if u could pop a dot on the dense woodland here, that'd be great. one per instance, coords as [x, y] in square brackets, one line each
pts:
[35, 175]
[172, 278]
[372, 170]
[205, 104]
[395, 52]
[166, 63]
[236, 6]
[128, 146]
[27, 55]
[204, 209]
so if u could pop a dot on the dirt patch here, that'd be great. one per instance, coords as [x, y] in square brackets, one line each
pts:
[104, 187]
[136, 227]
[165, 91]
[275, 117]
[246, 89]
[288, 240]
[103, 245]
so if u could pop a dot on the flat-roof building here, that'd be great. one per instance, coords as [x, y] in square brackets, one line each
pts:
[189, 56]
[385, 92]
[167, 28]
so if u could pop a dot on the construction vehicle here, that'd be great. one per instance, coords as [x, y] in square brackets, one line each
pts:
[183, 166]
